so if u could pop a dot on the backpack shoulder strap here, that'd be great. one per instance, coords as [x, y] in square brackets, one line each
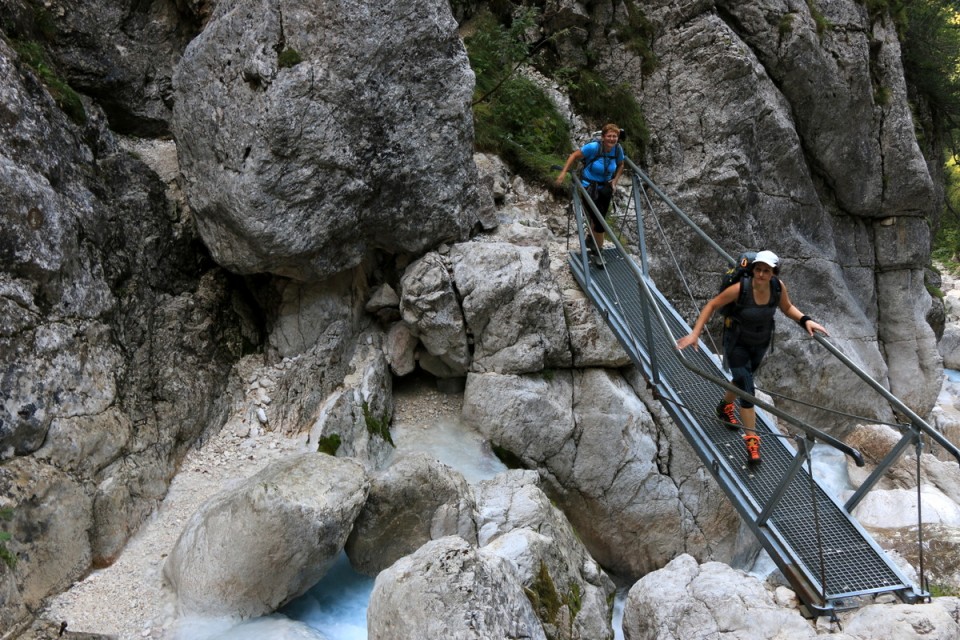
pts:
[598, 150]
[744, 287]
[775, 291]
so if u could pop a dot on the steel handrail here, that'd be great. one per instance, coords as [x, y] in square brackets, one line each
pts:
[916, 421]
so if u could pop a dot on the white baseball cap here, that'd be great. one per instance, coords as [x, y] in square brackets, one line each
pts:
[767, 257]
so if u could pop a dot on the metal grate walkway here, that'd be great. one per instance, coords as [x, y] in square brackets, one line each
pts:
[820, 548]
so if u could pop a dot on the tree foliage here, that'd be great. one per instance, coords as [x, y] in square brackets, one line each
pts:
[513, 117]
[929, 32]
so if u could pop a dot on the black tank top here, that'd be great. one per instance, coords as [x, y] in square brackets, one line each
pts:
[756, 321]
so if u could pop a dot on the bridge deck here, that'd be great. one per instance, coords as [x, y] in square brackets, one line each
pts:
[822, 551]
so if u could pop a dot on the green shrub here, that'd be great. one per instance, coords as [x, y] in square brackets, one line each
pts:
[66, 98]
[289, 58]
[821, 22]
[638, 38]
[600, 103]
[941, 590]
[882, 96]
[512, 116]
[5, 554]
[946, 239]
[377, 426]
[786, 24]
[329, 444]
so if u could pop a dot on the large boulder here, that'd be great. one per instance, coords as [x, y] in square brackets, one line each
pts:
[710, 600]
[305, 144]
[117, 336]
[449, 589]
[570, 591]
[937, 620]
[357, 414]
[249, 550]
[120, 54]
[512, 307]
[430, 308]
[635, 497]
[415, 500]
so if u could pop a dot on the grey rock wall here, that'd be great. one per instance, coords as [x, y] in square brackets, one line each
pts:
[773, 135]
[117, 337]
[117, 330]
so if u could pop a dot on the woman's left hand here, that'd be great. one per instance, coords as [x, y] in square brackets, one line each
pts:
[812, 325]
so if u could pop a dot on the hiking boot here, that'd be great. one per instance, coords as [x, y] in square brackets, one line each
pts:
[728, 415]
[753, 448]
[597, 260]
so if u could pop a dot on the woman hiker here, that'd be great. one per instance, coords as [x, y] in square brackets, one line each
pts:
[746, 341]
[601, 172]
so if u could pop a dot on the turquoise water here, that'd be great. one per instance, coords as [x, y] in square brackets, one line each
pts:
[336, 607]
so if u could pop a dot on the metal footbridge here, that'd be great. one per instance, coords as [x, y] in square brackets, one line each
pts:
[830, 560]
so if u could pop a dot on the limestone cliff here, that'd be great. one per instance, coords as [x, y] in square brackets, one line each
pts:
[322, 147]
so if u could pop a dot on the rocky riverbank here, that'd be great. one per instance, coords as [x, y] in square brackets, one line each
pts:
[126, 600]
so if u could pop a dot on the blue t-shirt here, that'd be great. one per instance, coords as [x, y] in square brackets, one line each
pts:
[600, 167]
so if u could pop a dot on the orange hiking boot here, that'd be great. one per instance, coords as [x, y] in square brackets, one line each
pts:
[727, 414]
[753, 447]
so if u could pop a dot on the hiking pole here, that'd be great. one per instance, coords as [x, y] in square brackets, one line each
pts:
[557, 167]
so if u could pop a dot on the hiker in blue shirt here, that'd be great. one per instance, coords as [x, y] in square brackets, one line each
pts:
[756, 300]
[603, 165]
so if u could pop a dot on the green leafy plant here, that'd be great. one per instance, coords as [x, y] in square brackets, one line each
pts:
[819, 19]
[329, 444]
[786, 24]
[940, 590]
[548, 601]
[602, 102]
[5, 554]
[513, 117]
[639, 35]
[377, 426]
[66, 98]
[289, 58]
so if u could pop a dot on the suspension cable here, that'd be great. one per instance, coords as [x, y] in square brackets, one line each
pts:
[862, 419]
[676, 264]
[589, 238]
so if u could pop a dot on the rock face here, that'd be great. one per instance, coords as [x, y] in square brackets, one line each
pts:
[687, 600]
[305, 145]
[414, 501]
[122, 55]
[117, 338]
[248, 551]
[568, 588]
[326, 145]
[803, 145]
